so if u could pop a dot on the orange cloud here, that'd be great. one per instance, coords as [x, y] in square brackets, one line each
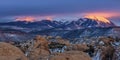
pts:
[49, 18]
[27, 19]
[101, 16]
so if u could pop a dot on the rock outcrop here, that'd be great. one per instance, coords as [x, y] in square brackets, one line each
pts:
[40, 49]
[70, 55]
[62, 41]
[77, 47]
[10, 52]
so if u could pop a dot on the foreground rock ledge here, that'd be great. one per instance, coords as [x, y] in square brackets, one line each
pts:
[10, 52]
[70, 55]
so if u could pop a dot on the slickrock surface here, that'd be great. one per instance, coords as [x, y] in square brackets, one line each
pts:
[70, 55]
[40, 49]
[10, 52]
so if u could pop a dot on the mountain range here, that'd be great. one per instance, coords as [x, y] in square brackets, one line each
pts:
[22, 30]
[47, 24]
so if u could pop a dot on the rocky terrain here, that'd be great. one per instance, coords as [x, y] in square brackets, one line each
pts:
[57, 48]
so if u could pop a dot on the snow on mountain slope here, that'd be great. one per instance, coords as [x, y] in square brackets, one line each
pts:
[47, 24]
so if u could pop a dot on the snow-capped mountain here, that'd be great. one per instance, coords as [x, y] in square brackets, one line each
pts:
[47, 24]
[69, 29]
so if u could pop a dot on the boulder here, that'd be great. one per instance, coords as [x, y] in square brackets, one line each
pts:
[10, 52]
[62, 41]
[40, 49]
[70, 55]
[106, 40]
[40, 42]
[39, 54]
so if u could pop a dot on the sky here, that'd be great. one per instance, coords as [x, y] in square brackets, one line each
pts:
[59, 9]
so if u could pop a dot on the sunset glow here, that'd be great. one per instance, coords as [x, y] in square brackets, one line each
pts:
[103, 14]
[49, 18]
[27, 19]
[99, 18]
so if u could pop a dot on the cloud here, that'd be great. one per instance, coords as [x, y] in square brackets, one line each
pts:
[53, 7]
[9, 9]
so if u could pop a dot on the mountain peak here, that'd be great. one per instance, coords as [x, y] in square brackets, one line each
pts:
[98, 18]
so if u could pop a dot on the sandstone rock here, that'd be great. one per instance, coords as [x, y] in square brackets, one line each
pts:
[62, 41]
[106, 40]
[107, 52]
[49, 37]
[10, 52]
[40, 42]
[38, 54]
[40, 49]
[70, 55]
[77, 47]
